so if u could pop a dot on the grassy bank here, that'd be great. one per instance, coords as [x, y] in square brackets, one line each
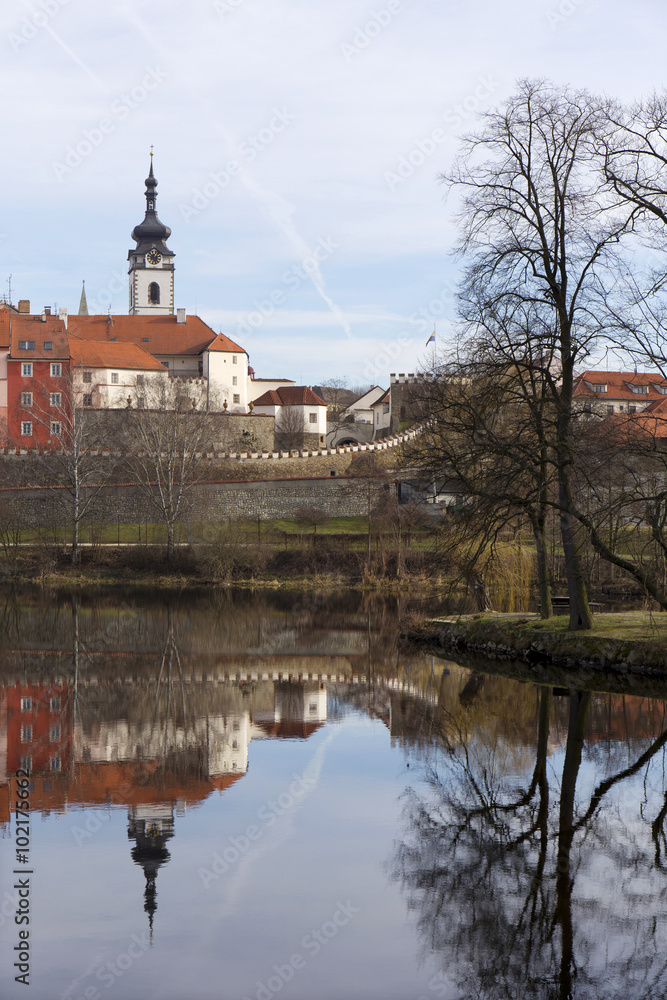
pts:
[629, 641]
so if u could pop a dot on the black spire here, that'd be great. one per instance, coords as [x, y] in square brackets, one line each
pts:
[151, 232]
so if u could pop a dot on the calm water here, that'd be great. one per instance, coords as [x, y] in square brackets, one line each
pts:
[248, 796]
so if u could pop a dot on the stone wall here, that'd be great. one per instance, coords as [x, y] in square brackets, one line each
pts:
[127, 504]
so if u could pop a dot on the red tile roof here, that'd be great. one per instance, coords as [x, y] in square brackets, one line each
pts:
[223, 343]
[155, 334]
[619, 385]
[99, 354]
[290, 395]
[31, 329]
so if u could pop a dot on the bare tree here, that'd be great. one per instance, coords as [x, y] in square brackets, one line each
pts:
[168, 433]
[541, 224]
[314, 517]
[291, 428]
[71, 467]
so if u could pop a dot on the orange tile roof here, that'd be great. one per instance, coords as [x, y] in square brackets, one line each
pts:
[223, 343]
[155, 334]
[290, 395]
[33, 329]
[619, 385]
[100, 354]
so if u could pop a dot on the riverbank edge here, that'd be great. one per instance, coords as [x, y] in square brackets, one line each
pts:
[498, 636]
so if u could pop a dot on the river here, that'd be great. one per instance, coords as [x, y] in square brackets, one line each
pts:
[241, 795]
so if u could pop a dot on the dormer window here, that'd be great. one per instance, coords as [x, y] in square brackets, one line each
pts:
[599, 387]
[639, 390]
[662, 389]
[26, 345]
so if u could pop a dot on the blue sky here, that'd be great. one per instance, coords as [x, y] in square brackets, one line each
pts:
[297, 148]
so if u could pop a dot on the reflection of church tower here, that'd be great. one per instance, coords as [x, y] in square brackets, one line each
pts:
[151, 826]
[151, 262]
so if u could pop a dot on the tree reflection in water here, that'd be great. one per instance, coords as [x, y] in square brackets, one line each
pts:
[548, 887]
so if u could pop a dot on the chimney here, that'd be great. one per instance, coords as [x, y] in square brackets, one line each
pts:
[24, 306]
[47, 310]
[180, 315]
[62, 315]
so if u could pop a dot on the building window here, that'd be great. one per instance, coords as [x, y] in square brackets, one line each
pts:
[87, 377]
[588, 407]
[54, 734]
[26, 428]
[632, 409]
[55, 399]
[26, 345]
[54, 764]
[56, 369]
[114, 378]
[610, 410]
[154, 293]
[233, 359]
[26, 704]
[235, 744]
[235, 380]
[48, 345]
[87, 399]
[599, 388]
[25, 764]
[26, 369]
[26, 399]
[312, 418]
[237, 397]
[26, 733]
[640, 390]
[54, 705]
[385, 407]
[56, 428]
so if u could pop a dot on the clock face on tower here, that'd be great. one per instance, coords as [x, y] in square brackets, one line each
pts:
[153, 257]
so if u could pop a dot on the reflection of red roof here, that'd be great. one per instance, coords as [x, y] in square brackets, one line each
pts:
[99, 354]
[290, 395]
[155, 334]
[290, 730]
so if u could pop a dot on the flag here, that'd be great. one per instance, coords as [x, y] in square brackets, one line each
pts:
[431, 339]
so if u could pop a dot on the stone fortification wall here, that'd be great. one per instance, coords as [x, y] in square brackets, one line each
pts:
[126, 504]
[234, 432]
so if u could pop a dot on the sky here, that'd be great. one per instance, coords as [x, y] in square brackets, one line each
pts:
[297, 147]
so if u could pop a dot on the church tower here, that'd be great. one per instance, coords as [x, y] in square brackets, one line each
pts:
[151, 262]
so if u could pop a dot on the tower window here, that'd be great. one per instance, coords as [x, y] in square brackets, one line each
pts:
[154, 293]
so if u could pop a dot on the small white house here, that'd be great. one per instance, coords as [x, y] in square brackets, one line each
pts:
[105, 374]
[225, 364]
[361, 409]
[298, 408]
[381, 410]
